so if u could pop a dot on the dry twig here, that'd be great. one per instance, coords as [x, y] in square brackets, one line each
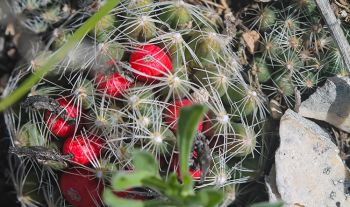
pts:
[336, 31]
[297, 100]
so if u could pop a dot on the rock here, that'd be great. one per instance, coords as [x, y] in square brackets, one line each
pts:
[309, 171]
[330, 103]
[271, 186]
[2, 43]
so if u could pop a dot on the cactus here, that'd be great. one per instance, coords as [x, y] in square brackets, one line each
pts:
[295, 47]
[8, 50]
[40, 15]
[127, 80]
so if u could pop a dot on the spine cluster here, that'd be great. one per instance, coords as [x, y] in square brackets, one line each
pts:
[123, 86]
[295, 49]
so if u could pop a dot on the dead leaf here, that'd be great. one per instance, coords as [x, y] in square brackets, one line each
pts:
[251, 38]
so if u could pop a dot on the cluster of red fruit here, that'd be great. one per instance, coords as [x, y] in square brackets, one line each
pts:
[78, 186]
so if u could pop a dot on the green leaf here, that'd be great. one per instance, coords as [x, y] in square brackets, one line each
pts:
[159, 203]
[144, 161]
[189, 119]
[267, 204]
[110, 199]
[210, 198]
[155, 183]
[173, 181]
[174, 188]
[187, 185]
[58, 56]
[123, 180]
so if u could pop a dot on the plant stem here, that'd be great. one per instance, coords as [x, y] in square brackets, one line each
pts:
[58, 56]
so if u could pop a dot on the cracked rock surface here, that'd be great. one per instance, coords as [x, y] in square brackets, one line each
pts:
[309, 171]
[330, 103]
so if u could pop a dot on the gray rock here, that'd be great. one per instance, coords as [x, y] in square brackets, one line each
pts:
[271, 186]
[309, 171]
[330, 103]
[2, 44]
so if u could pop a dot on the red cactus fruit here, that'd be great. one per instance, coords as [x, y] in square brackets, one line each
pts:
[83, 149]
[113, 85]
[150, 60]
[80, 188]
[196, 173]
[173, 112]
[63, 124]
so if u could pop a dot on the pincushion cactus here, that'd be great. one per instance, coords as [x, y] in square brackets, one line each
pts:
[121, 89]
[295, 51]
[41, 15]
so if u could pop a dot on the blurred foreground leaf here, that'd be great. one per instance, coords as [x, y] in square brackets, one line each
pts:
[188, 122]
[58, 56]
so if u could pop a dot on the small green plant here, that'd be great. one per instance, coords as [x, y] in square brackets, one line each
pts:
[171, 191]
